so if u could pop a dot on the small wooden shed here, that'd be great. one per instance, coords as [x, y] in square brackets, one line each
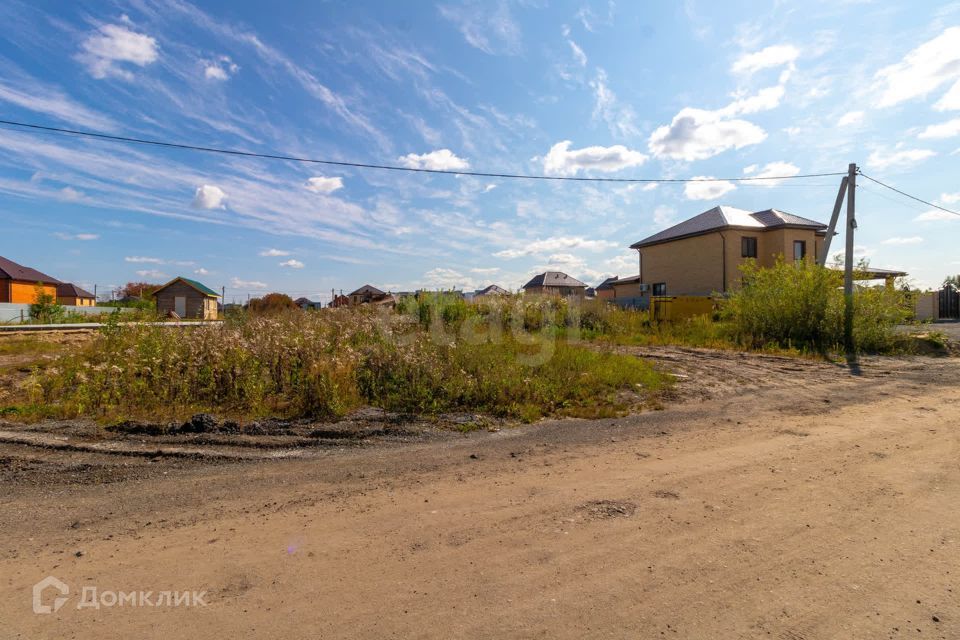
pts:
[188, 299]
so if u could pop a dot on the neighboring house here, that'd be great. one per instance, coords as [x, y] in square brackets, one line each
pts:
[701, 256]
[18, 283]
[307, 303]
[72, 295]
[339, 301]
[604, 290]
[625, 287]
[187, 298]
[366, 294]
[491, 290]
[590, 293]
[555, 283]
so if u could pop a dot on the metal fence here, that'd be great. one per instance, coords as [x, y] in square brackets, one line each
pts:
[13, 313]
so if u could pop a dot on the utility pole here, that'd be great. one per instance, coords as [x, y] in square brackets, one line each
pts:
[831, 230]
[848, 262]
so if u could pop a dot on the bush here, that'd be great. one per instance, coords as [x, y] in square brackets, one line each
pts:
[45, 308]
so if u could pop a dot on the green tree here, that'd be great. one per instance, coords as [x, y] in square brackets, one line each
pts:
[952, 280]
[45, 307]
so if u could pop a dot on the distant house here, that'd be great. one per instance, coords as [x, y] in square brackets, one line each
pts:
[72, 295]
[555, 283]
[307, 303]
[18, 284]
[188, 299]
[491, 290]
[365, 295]
[339, 301]
[702, 255]
[625, 287]
[604, 290]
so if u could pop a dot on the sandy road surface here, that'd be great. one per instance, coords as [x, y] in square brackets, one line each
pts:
[817, 506]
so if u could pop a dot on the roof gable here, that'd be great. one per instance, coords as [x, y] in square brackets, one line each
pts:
[553, 279]
[201, 288]
[13, 271]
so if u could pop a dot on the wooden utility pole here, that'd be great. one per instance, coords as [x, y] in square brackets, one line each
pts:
[848, 261]
[831, 230]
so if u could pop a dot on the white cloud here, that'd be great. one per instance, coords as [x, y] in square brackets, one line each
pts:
[850, 118]
[29, 94]
[201, 272]
[772, 56]
[707, 190]
[578, 53]
[209, 197]
[664, 215]
[101, 52]
[439, 160]
[292, 263]
[485, 271]
[697, 134]
[922, 70]
[902, 158]
[321, 184]
[947, 129]
[237, 283]
[903, 240]
[950, 100]
[935, 215]
[770, 171]
[220, 69]
[652, 186]
[143, 259]
[618, 117]
[486, 26]
[562, 161]
[490, 187]
[555, 243]
[950, 198]
[152, 273]
[76, 236]
[443, 278]
[566, 260]
[274, 253]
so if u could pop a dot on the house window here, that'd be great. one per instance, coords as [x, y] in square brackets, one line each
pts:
[799, 249]
[659, 288]
[748, 247]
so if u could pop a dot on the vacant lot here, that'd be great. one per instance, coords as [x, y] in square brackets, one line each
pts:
[772, 497]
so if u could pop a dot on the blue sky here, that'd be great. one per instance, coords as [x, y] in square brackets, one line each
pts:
[601, 88]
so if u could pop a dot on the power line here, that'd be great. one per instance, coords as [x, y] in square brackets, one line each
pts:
[385, 167]
[903, 193]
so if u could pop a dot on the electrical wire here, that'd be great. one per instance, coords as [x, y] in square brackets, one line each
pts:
[385, 167]
[904, 193]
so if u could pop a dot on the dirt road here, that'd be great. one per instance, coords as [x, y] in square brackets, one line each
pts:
[812, 504]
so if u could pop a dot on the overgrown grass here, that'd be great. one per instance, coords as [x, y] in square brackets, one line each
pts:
[323, 365]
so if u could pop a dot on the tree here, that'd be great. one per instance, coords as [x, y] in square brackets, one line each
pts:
[142, 290]
[45, 307]
[952, 280]
[272, 303]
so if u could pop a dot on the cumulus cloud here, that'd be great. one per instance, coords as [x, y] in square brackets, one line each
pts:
[322, 184]
[772, 56]
[922, 71]
[485, 271]
[563, 161]
[76, 236]
[201, 272]
[103, 51]
[935, 215]
[220, 69]
[768, 173]
[947, 129]
[850, 118]
[292, 263]
[209, 197]
[439, 160]
[444, 278]
[880, 159]
[555, 243]
[245, 285]
[697, 134]
[707, 190]
[274, 253]
[950, 100]
[903, 240]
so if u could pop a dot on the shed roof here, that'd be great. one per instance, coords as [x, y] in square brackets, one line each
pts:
[68, 289]
[724, 217]
[553, 279]
[13, 271]
[202, 288]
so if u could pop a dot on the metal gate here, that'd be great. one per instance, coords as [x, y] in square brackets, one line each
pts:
[949, 303]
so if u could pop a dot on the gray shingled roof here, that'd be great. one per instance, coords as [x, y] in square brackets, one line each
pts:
[553, 279]
[12, 270]
[607, 284]
[368, 288]
[68, 289]
[724, 217]
[492, 289]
